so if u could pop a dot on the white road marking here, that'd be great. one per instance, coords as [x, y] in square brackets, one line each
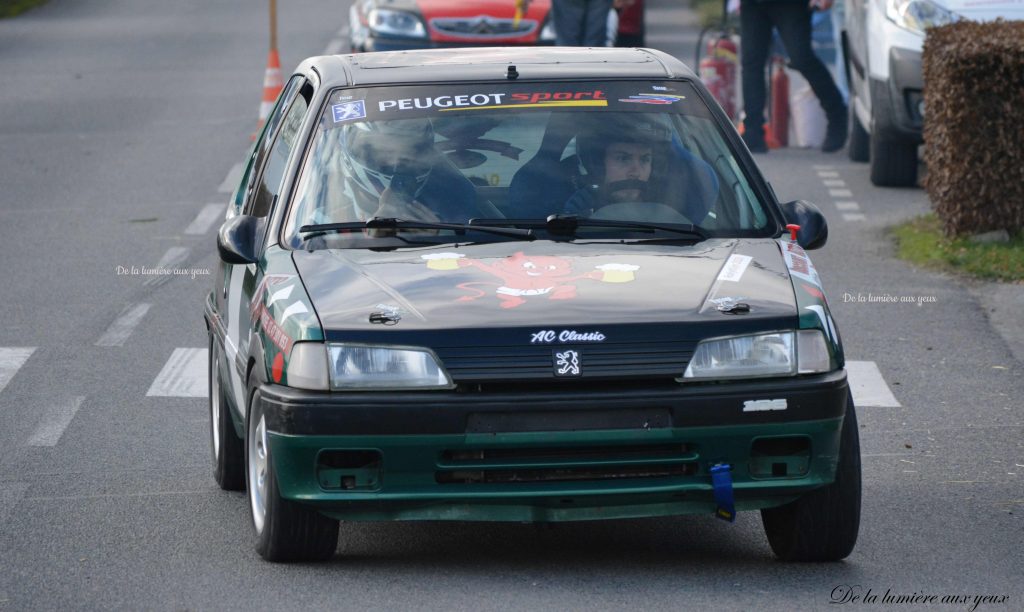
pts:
[232, 179]
[822, 167]
[828, 174]
[123, 325]
[206, 217]
[10, 494]
[853, 217]
[868, 385]
[184, 375]
[11, 360]
[56, 419]
[173, 258]
[847, 206]
[834, 183]
[840, 193]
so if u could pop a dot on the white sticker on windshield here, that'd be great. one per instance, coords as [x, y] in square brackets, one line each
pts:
[734, 268]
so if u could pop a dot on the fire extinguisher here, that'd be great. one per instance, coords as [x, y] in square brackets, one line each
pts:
[779, 133]
[718, 72]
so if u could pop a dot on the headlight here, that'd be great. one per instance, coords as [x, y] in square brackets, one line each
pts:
[775, 354]
[354, 366]
[916, 15]
[547, 33]
[396, 23]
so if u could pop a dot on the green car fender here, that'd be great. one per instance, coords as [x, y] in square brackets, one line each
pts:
[282, 314]
[812, 305]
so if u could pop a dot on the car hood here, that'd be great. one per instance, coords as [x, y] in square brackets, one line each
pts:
[548, 284]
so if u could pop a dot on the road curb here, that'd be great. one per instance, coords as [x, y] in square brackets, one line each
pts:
[1003, 304]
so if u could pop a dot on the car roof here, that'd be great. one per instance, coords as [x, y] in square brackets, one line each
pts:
[491, 63]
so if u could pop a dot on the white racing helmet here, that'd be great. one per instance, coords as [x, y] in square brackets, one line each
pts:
[397, 154]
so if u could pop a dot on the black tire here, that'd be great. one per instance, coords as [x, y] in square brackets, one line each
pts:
[823, 524]
[893, 162]
[289, 531]
[226, 448]
[858, 148]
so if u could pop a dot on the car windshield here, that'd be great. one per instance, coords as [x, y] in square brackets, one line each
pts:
[513, 154]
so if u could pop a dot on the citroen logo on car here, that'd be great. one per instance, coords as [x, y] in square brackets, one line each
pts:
[482, 25]
[567, 363]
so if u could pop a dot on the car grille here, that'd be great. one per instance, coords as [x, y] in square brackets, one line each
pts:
[483, 27]
[562, 464]
[606, 360]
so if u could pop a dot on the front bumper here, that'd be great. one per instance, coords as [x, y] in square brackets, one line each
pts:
[552, 456]
[897, 102]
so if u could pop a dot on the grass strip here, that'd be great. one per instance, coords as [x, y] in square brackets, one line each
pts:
[922, 242]
[12, 8]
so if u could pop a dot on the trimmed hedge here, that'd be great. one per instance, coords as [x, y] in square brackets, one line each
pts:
[974, 125]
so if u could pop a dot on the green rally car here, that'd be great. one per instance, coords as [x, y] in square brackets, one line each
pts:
[521, 285]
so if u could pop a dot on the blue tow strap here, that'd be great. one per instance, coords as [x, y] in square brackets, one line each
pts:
[721, 483]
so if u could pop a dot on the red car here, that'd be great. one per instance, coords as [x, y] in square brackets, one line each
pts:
[390, 25]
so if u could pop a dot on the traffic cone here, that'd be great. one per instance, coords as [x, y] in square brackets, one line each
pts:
[272, 85]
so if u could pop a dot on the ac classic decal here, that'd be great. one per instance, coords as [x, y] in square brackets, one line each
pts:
[546, 336]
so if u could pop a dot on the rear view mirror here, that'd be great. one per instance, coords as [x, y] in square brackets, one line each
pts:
[236, 239]
[813, 228]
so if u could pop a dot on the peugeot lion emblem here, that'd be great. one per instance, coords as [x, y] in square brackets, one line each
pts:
[567, 363]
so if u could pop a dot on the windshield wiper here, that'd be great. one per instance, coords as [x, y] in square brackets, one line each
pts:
[566, 225]
[403, 224]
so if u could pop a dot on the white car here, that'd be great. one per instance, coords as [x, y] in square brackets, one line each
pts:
[882, 42]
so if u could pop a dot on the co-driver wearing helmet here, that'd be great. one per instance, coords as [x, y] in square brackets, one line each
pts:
[392, 170]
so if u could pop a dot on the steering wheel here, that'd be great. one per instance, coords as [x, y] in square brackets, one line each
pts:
[649, 212]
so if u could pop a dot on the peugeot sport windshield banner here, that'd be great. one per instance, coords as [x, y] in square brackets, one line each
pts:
[372, 104]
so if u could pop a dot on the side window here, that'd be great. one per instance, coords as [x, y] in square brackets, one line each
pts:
[271, 156]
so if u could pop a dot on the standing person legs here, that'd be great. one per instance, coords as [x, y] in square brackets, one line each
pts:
[580, 22]
[595, 33]
[755, 38]
[793, 20]
[568, 18]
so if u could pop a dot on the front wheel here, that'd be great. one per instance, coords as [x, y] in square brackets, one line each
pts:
[225, 445]
[858, 148]
[822, 525]
[893, 162]
[285, 530]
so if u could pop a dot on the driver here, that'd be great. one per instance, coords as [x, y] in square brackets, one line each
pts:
[618, 157]
[392, 169]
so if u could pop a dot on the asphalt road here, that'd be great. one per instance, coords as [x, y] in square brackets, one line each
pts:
[119, 122]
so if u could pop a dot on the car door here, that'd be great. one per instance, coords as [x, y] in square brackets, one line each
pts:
[261, 185]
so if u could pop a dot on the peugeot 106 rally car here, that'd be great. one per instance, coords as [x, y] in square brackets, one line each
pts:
[392, 25]
[521, 285]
